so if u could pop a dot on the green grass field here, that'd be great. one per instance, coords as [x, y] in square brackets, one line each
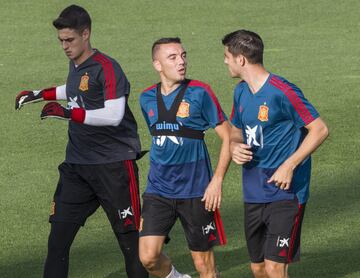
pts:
[315, 44]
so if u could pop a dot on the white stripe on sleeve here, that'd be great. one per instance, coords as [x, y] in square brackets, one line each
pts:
[112, 113]
[61, 92]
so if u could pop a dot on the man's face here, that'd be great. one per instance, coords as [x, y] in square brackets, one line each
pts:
[231, 62]
[73, 43]
[170, 61]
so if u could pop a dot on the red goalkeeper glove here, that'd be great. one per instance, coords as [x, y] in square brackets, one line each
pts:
[56, 110]
[26, 97]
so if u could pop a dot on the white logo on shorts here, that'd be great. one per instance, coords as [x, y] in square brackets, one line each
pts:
[206, 230]
[281, 242]
[123, 214]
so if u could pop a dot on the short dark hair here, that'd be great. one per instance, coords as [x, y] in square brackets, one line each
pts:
[157, 44]
[73, 17]
[246, 43]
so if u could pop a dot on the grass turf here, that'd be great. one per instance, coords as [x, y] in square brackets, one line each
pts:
[312, 43]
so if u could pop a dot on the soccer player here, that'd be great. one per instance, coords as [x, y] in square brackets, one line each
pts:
[180, 183]
[275, 129]
[99, 168]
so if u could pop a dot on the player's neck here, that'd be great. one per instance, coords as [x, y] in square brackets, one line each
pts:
[256, 77]
[168, 86]
[84, 56]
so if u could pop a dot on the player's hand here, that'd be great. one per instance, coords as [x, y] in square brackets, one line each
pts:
[26, 97]
[55, 110]
[283, 176]
[241, 153]
[212, 195]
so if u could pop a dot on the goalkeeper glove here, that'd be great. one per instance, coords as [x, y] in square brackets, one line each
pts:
[56, 110]
[26, 97]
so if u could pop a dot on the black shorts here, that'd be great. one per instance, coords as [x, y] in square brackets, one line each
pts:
[83, 188]
[273, 231]
[203, 229]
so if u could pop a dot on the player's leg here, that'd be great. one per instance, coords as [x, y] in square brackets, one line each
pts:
[129, 245]
[255, 230]
[275, 269]
[116, 186]
[282, 246]
[73, 203]
[158, 217]
[61, 237]
[258, 269]
[156, 263]
[203, 230]
[204, 263]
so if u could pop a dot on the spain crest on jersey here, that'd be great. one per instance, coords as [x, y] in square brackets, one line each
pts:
[184, 110]
[84, 83]
[263, 113]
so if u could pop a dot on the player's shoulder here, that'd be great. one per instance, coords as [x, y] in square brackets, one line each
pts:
[282, 85]
[198, 83]
[240, 87]
[148, 93]
[150, 90]
[200, 87]
[104, 60]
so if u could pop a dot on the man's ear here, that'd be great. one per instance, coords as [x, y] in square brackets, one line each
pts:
[241, 60]
[86, 34]
[157, 65]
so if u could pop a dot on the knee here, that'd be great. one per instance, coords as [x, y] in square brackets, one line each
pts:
[274, 269]
[258, 269]
[57, 250]
[203, 265]
[128, 242]
[149, 260]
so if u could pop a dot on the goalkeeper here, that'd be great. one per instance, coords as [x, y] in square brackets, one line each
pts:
[99, 168]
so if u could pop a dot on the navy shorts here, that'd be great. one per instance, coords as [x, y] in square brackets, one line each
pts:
[203, 229]
[273, 230]
[83, 188]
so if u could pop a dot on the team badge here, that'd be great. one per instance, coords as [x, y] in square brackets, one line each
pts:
[84, 83]
[263, 113]
[52, 208]
[184, 110]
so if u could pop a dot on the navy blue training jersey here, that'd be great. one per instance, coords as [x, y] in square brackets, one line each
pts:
[272, 122]
[180, 167]
[88, 86]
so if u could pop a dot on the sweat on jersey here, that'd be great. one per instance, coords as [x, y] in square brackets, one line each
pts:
[88, 86]
[272, 121]
[179, 166]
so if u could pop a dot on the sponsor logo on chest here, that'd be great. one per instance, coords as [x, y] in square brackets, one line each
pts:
[167, 126]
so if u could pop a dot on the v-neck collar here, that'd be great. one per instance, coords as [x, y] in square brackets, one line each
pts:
[262, 88]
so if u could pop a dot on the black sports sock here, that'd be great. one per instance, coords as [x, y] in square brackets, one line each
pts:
[129, 244]
[60, 240]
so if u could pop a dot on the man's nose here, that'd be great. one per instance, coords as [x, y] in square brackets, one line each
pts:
[65, 44]
[182, 60]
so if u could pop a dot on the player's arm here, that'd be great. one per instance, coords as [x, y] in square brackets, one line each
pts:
[214, 115]
[212, 195]
[240, 152]
[317, 133]
[111, 115]
[53, 93]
